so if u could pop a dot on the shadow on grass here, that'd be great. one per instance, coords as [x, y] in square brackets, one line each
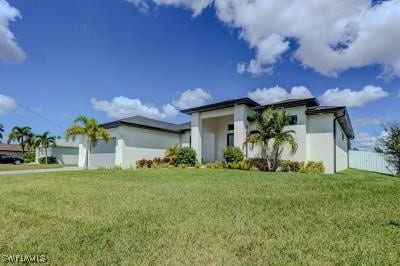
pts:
[393, 223]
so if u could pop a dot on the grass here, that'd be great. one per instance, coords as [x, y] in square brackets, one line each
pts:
[27, 166]
[201, 216]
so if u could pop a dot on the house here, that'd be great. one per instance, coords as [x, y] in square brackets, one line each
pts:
[11, 149]
[323, 133]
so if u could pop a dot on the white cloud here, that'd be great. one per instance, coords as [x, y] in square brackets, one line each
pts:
[277, 93]
[192, 98]
[142, 5]
[366, 141]
[122, 107]
[350, 98]
[331, 36]
[368, 121]
[10, 52]
[7, 104]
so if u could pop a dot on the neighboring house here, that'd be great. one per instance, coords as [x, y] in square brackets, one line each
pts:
[66, 152]
[11, 149]
[323, 133]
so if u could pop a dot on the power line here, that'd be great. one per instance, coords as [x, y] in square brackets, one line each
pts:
[41, 116]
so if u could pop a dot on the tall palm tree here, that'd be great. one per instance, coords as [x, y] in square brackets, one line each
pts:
[20, 134]
[271, 126]
[90, 129]
[30, 141]
[1, 132]
[44, 141]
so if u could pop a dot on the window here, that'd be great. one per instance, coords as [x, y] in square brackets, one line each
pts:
[231, 127]
[293, 120]
[229, 140]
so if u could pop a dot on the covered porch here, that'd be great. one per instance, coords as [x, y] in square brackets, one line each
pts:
[213, 131]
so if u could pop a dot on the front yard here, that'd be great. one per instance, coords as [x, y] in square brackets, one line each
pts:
[201, 216]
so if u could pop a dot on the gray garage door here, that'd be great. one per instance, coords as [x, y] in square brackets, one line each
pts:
[103, 155]
[66, 155]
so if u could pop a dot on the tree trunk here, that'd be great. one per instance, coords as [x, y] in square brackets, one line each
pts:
[45, 152]
[22, 146]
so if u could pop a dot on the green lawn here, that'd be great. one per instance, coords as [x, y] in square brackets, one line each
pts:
[201, 216]
[27, 166]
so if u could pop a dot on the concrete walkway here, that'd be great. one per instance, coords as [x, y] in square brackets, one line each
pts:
[33, 171]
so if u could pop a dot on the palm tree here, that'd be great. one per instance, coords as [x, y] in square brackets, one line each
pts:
[30, 141]
[264, 131]
[20, 134]
[1, 132]
[90, 129]
[44, 141]
[271, 126]
[282, 136]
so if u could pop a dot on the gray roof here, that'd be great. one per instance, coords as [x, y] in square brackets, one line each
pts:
[309, 102]
[225, 104]
[144, 122]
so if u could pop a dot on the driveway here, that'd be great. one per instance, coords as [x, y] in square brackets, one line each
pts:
[13, 172]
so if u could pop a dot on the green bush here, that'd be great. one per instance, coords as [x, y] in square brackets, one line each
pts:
[313, 167]
[290, 166]
[242, 165]
[186, 156]
[233, 154]
[171, 154]
[29, 157]
[259, 163]
[50, 160]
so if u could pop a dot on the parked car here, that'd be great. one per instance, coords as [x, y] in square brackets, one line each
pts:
[4, 158]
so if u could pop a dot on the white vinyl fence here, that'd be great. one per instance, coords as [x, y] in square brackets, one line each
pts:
[369, 161]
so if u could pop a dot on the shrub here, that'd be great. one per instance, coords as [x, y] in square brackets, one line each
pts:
[259, 163]
[29, 157]
[50, 160]
[290, 166]
[171, 154]
[215, 165]
[313, 167]
[233, 154]
[242, 165]
[186, 156]
[144, 163]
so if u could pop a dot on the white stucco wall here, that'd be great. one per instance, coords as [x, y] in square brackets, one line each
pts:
[185, 139]
[341, 149]
[140, 143]
[320, 140]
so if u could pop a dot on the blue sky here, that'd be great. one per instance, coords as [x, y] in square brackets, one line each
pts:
[74, 57]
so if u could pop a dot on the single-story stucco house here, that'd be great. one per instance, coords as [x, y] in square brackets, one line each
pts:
[323, 133]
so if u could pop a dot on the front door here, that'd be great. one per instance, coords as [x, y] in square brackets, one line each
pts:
[208, 147]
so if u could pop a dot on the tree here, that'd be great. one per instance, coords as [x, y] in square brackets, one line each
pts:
[378, 149]
[1, 132]
[20, 134]
[282, 136]
[391, 145]
[271, 126]
[44, 141]
[90, 129]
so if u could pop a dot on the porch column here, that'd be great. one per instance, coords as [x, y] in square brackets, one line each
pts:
[119, 153]
[240, 126]
[196, 135]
